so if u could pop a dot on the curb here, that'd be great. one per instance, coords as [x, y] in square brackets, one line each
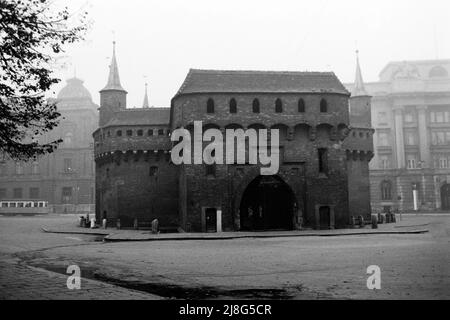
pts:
[75, 232]
[108, 239]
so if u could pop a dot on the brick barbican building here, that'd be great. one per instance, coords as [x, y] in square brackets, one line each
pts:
[324, 153]
[411, 116]
[64, 178]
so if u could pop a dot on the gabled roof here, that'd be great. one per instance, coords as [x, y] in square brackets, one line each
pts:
[141, 117]
[224, 81]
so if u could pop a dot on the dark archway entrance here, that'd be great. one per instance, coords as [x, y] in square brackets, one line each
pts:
[267, 204]
[445, 197]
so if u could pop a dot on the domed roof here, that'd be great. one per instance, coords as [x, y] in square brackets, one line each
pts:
[74, 90]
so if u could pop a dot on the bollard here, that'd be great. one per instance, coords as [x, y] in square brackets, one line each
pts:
[361, 221]
[83, 222]
[352, 221]
[155, 226]
[374, 221]
[92, 223]
[135, 224]
[104, 222]
[118, 224]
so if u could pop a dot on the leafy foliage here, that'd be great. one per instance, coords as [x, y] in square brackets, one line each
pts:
[31, 35]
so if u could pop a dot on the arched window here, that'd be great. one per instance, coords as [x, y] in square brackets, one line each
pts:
[210, 106]
[386, 190]
[153, 171]
[233, 106]
[323, 105]
[68, 139]
[438, 72]
[255, 106]
[150, 132]
[129, 133]
[278, 106]
[301, 105]
[140, 133]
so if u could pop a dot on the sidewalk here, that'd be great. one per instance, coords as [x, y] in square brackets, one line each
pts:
[113, 234]
[20, 282]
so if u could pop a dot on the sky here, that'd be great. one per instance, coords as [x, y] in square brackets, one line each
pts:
[159, 41]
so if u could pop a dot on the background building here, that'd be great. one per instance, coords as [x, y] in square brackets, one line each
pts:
[64, 178]
[411, 115]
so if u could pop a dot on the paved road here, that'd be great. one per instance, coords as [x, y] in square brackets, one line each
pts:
[20, 281]
[412, 266]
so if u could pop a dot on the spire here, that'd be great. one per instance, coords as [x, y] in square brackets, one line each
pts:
[113, 79]
[145, 103]
[358, 89]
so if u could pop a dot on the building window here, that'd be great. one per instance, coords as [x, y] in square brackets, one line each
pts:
[2, 193]
[409, 116]
[211, 170]
[66, 195]
[233, 106]
[210, 106]
[35, 167]
[119, 133]
[386, 190]
[68, 165]
[68, 139]
[140, 133]
[323, 160]
[255, 106]
[160, 132]
[438, 72]
[301, 105]
[411, 161]
[149, 132]
[382, 118]
[3, 169]
[107, 172]
[153, 171]
[129, 133]
[385, 162]
[17, 193]
[410, 138]
[383, 139]
[278, 106]
[443, 162]
[34, 193]
[440, 138]
[323, 105]
[439, 116]
[19, 168]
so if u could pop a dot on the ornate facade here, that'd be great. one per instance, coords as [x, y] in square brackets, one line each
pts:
[64, 178]
[411, 115]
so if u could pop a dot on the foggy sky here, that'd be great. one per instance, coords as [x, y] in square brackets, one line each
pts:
[163, 39]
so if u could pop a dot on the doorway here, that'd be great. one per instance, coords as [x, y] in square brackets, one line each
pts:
[445, 197]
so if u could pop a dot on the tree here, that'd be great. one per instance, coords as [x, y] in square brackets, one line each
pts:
[32, 34]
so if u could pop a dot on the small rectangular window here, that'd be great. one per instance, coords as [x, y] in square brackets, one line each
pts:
[119, 133]
[323, 160]
[129, 133]
[17, 193]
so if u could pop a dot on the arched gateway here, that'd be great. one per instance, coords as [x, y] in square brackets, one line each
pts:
[267, 203]
[445, 196]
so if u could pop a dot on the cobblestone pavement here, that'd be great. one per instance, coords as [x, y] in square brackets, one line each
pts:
[20, 282]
